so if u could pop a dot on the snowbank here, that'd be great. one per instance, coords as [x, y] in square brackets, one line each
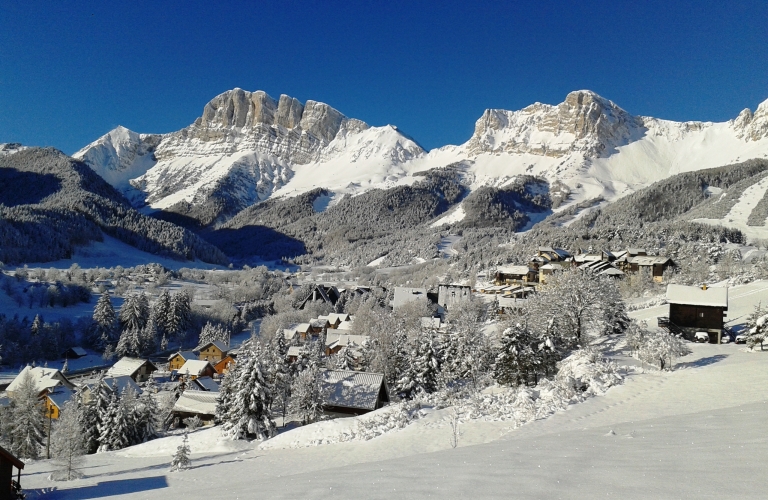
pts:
[206, 440]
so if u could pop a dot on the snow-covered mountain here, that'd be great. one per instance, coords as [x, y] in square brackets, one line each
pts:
[247, 146]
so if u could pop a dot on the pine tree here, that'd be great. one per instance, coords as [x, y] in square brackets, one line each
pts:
[37, 326]
[345, 360]
[181, 316]
[249, 413]
[88, 419]
[68, 444]
[213, 332]
[277, 372]
[307, 395]
[757, 327]
[225, 399]
[181, 459]
[27, 431]
[134, 312]
[147, 413]
[114, 433]
[104, 332]
[511, 364]
[162, 311]
[148, 339]
[129, 343]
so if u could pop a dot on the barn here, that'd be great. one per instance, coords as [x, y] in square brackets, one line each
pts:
[698, 309]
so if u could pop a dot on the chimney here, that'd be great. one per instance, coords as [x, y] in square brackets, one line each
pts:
[704, 286]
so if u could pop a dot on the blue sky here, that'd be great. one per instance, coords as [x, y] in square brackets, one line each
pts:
[72, 70]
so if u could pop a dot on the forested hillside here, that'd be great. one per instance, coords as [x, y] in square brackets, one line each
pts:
[49, 203]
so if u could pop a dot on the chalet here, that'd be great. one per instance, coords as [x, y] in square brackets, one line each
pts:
[346, 326]
[213, 351]
[602, 267]
[46, 380]
[450, 295]
[334, 342]
[548, 255]
[515, 274]
[318, 326]
[321, 293]
[510, 305]
[693, 309]
[195, 368]
[224, 365]
[54, 401]
[204, 384]
[304, 331]
[548, 270]
[178, 359]
[517, 291]
[109, 385]
[348, 393]
[335, 319]
[405, 295]
[295, 352]
[196, 403]
[74, 353]
[10, 489]
[655, 265]
[138, 369]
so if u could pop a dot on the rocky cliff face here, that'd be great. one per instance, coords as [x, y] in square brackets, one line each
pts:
[238, 120]
[752, 126]
[584, 122]
[120, 155]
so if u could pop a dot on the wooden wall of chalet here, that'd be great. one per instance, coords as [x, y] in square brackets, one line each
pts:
[688, 316]
[6, 476]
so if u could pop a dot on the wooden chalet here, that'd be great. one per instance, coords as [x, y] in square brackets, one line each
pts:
[548, 270]
[10, 489]
[548, 255]
[213, 351]
[138, 369]
[74, 353]
[195, 368]
[515, 274]
[177, 360]
[654, 264]
[204, 384]
[334, 342]
[109, 385]
[335, 319]
[326, 294]
[54, 401]
[193, 403]
[224, 365]
[349, 393]
[697, 309]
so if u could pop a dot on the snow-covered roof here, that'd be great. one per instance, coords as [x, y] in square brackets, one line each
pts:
[319, 323]
[404, 295]
[206, 384]
[295, 350]
[185, 355]
[430, 322]
[696, 296]
[126, 366]
[199, 402]
[60, 396]
[303, 327]
[647, 260]
[612, 271]
[289, 333]
[517, 270]
[511, 302]
[350, 389]
[77, 351]
[122, 383]
[554, 267]
[337, 317]
[220, 344]
[194, 367]
[345, 325]
[45, 379]
[338, 339]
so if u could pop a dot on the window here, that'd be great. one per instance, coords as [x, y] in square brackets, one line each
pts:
[701, 315]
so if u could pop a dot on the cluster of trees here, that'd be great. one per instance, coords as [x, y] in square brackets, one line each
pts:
[22, 340]
[139, 329]
[43, 294]
[656, 347]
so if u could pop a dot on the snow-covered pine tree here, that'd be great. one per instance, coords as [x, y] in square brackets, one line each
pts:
[345, 359]
[68, 444]
[510, 367]
[104, 332]
[161, 311]
[212, 332]
[134, 312]
[180, 460]
[249, 414]
[224, 400]
[181, 316]
[129, 343]
[88, 419]
[37, 326]
[277, 373]
[148, 338]
[757, 327]
[307, 395]
[113, 431]
[147, 412]
[27, 431]
[423, 372]
[661, 348]
[129, 409]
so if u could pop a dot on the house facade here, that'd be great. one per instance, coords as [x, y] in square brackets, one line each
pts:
[698, 309]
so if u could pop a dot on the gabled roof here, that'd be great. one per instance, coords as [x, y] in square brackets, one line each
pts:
[554, 267]
[350, 389]
[695, 296]
[45, 379]
[303, 328]
[517, 270]
[199, 402]
[346, 325]
[339, 339]
[127, 366]
[14, 461]
[404, 295]
[78, 351]
[647, 260]
[206, 384]
[337, 317]
[185, 355]
[319, 323]
[223, 347]
[194, 367]
[296, 350]
[123, 383]
[60, 396]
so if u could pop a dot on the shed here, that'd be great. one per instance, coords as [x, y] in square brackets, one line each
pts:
[10, 489]
[200, 403]
[74, 353]
[693, 309]
[138, 369]
[213, 351]
[348, 393]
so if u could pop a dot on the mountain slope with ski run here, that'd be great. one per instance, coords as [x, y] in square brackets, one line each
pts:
[247, 147]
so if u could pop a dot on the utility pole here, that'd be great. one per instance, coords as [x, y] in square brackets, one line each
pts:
[48, 446]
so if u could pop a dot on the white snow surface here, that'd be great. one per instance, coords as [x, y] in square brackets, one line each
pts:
[695, 432]
[740, 212]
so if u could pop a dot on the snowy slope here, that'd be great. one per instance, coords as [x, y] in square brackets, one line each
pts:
[249, 146]
[696, 432]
